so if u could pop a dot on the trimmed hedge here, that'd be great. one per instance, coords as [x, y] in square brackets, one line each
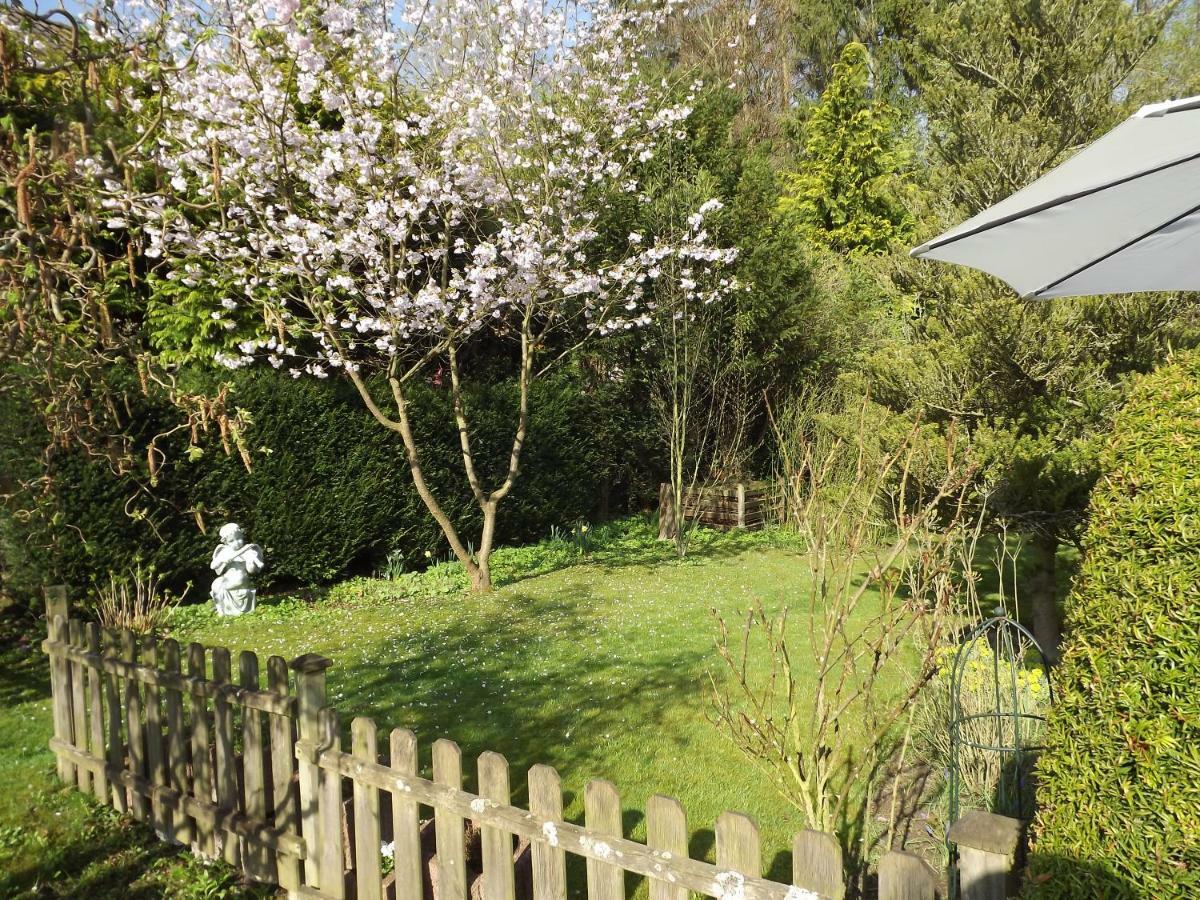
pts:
[329, 493]
[1119, 785]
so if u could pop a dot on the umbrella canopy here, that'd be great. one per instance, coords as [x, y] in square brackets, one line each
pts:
[1122, 215]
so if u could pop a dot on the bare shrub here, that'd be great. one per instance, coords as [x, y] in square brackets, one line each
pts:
[819, 700]
[135, 600]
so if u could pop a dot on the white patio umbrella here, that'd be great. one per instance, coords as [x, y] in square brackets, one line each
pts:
[1122, 215]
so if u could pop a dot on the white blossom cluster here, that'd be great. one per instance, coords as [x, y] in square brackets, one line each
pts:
[376, 179]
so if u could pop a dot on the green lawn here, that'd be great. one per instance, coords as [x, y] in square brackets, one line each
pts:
[597, 665]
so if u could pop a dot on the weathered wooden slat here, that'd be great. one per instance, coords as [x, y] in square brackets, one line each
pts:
[738, 846]
[283, 765]
[226, 774]
[817, 864]
[95, 686]
[155, 758]
[79, 725]
[549, 858]
[136, 752]
[57, 607]
[329, 821]
[202, 775]
[57, 613]
[689, 874]
[188, 684]
[905, 876]
[667, 833]
[367, 868]
[448, 826]
[116, 727]
[257, 861]
[177, 740]
[310, 700]
[217, 818]
[497, 845]
[602, 816]
[406, 826]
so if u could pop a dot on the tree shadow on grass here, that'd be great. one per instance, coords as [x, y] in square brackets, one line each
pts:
[499, 680]
[110, 857]
[24, 669]
[512, 675]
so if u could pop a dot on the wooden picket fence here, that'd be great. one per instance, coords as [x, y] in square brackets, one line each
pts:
[257, 774]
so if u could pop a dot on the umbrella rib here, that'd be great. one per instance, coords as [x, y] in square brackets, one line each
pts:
[1111, 253]
[1049, 204]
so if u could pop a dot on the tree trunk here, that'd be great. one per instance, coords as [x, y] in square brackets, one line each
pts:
[480, 569]
[1042, 590]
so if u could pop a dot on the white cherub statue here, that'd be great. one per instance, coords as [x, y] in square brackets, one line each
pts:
[235, 561]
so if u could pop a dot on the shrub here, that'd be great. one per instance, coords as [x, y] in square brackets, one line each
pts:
[329, 492]
[1119, 787]
[135, 601]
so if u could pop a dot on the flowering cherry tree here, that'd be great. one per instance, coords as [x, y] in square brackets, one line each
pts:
[363, 190]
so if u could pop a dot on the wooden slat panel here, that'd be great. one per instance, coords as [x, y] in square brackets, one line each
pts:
[113, 713]
[79, 725]
[602, 815]
[666, 830]
[406, 826]
[95, 684]
[690, 874]
[155, 758]
[329, 822]
[817, 864]
[177, 740]
[283, 766]
[448, 827]
[738, 850]
[364, 745]
[202, 775]
[226, 774]
[498, 881]
[136, 752]
[549, 859]
[261, 700]
[905, 876]
[257, 861]
[218, 819]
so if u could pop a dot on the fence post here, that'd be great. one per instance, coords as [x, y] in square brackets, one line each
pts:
[57, 608]
[666, 512]
[817, 864]
[987, 846]
[905, 876]
[310, 700]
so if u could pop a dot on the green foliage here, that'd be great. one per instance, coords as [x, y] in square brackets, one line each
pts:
[329, 491]
[1010, 87]
[1120, 783]
[848, 193]
[188, 323]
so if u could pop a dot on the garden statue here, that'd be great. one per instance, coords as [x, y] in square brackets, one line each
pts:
[235, 561]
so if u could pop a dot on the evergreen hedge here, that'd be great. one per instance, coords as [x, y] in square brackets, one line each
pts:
[1119, 785]
[329, 492]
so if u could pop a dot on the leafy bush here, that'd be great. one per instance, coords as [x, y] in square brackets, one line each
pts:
[135, 601]
[1120, 782]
